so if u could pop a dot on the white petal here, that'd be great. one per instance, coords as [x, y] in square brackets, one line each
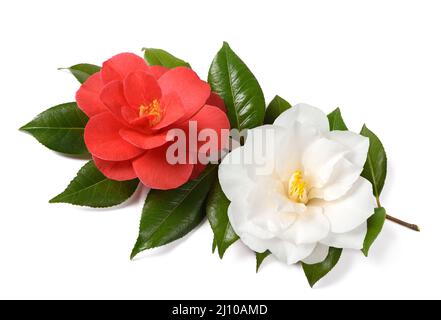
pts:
[283, 250]
[233, 175]
[243, 218]
[318, 255]
[335, 163]
[348, 212]
[304, 114]
[356, 144]
[344, 174]
[290, 253]
[319, 160]
[289, 149]
[263, 205]
[309, 227]
[353, 239]
[240, 168]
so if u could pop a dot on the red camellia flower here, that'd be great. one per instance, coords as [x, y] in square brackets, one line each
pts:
[132, 107]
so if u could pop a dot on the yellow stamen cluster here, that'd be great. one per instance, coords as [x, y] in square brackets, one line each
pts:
[153, 111]
[297, 189]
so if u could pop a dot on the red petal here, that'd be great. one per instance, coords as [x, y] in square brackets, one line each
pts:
[217, 101]
[121, 65]
[155, 172]
[157, 71]
[88, 96]
[129, 114]
[103, 140]
[192, 91]
[197, 170]
[173, 111]
[142, 140]
[113, 97]
[141, 88]
[213, 118]
[116, 170]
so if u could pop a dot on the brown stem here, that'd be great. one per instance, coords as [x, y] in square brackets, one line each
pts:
[413, 227]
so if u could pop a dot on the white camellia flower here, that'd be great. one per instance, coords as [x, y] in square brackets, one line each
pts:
[303, 195]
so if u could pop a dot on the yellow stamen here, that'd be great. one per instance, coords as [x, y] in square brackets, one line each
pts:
[297, 190]
[153, 111]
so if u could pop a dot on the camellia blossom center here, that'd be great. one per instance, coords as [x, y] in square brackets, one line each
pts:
[152, 111]
[297, 188]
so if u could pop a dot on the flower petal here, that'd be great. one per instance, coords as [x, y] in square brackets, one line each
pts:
[141, 88]
[354, 208]
[88, 96]
[304, 114]
[233, 175]
[173, 111]
[288, 159]
[353, 239]
[121, 65]
[212, 118]
[192, 91]
[143, 140]
[318, 255]
[197, 170]
[284, 251]
[116, 170]
[344, 175]
[356, 144]
[258, 237]
[102, 139]
[217, 101]
[319, 160]
[155, 172]
[310, 226]
[335, 163]
[289, 252]
[157, 71]
[213, 121]
[113, 97]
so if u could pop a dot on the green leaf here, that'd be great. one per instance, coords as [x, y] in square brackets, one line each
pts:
[336, 121]
[276, 107]
[213, 245]
[83, 71]
[374, 226]
[375, 168]
[260, 257]
[60, 128]
[92, 189]
[171, 214]
[159, 57]
[217, 208]
[314, 272]
[233, 81]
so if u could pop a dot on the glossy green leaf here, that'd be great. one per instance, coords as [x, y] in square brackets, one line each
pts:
[233, 81]
[60, 128]
[91, 188]
[260, 257]
[336, 121]
[171, 214]
[375, 168]
[374, 226]
[83, 71]
[217, 209]
[159, 57]
[314, 272]
[275, 108]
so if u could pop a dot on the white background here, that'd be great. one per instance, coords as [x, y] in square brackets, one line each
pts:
[380, 61]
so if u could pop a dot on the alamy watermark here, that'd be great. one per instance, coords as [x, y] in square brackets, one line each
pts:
[208, 145]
